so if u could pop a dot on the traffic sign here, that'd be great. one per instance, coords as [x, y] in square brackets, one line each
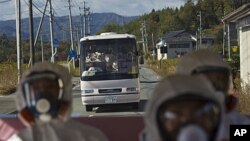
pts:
[72, 54]
[55, 42]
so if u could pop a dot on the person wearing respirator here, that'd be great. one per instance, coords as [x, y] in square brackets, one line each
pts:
[183, 108]
[211, 65]
[44, 104]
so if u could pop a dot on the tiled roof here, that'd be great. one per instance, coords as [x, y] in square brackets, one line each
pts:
[178, 36]
[173, 33]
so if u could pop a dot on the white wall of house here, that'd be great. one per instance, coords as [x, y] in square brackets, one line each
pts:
[160, 55]
[244, 38]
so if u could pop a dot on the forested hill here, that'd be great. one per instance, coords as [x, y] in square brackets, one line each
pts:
[186, 17]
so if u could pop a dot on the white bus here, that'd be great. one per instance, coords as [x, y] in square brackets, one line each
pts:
[109, 70]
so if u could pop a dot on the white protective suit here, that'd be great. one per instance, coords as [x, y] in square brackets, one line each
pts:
[189, 62]
[173, 87]
[61, 128]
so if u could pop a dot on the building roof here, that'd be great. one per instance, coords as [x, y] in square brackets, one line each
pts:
[238, 14]
[178, 36]
[108, 35]
[173, 33]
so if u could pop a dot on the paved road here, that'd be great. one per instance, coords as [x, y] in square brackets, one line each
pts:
[7, 103]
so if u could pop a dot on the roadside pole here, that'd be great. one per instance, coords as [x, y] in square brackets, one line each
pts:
[31, 30]
[71, 32]
[52, 34]
[18, 39]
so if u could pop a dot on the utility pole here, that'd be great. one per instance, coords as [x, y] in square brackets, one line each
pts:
[53, 53]
[88, 15]
[228, 36]
[71, 32]
[223, 44]
[78, 41]
[199, 15]
[143, 40]
[70, 26]
[154, 54]
[41, 36]
[85, 20]
[40, 23]
[18, 39]
[144, 37]
[32, 48]
[224, 35]
[196, 34]
[81, 16]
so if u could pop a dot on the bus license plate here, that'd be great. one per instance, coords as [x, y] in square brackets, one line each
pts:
[111, 99]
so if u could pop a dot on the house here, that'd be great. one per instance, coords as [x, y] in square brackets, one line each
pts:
[176, 43]
[207, 41]
[240, 19]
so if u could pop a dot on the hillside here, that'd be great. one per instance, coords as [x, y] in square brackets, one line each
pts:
[61, 25]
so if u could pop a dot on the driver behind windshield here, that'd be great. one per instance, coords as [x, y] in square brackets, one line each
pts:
[44, 104]
[184, 108]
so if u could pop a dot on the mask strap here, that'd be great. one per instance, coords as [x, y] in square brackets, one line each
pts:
[60, 83]
[26, 93]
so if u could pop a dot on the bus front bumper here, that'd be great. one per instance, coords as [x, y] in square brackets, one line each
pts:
[110, 99]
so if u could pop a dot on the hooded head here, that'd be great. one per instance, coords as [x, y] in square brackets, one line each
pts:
[210, 64]
[45, 93]
[195, 95]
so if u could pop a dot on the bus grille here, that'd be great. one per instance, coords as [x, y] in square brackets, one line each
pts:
[110, 90]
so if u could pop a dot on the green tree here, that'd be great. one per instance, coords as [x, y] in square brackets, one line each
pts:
[113, 27]
[186, 15]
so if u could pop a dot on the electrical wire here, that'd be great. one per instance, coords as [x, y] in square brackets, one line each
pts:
[4, 1]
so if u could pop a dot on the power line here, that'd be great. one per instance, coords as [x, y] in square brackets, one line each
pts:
[4, 1]
[61, 27]
[33, 5]
[6, 16]
[39, 9]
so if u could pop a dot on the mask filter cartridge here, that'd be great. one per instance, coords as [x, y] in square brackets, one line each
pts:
[192, 133]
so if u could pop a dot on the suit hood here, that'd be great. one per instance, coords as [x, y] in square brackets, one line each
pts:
[59, 70]
[201, 58]
[173, 87]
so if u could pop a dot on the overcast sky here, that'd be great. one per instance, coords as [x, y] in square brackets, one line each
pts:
[121, 7]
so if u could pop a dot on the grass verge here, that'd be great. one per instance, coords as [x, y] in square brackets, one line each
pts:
[8, 78]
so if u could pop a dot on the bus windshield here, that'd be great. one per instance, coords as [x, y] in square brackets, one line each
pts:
[109, 59]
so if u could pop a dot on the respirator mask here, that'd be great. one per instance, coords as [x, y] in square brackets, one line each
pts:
[42, 95]
[189, 118]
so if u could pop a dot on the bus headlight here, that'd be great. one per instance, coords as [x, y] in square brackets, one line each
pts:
[131, 89]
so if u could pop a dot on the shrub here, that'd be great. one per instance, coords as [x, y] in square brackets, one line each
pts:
[73, 71]
[164, 67]
[244, 100]
[8, 77]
